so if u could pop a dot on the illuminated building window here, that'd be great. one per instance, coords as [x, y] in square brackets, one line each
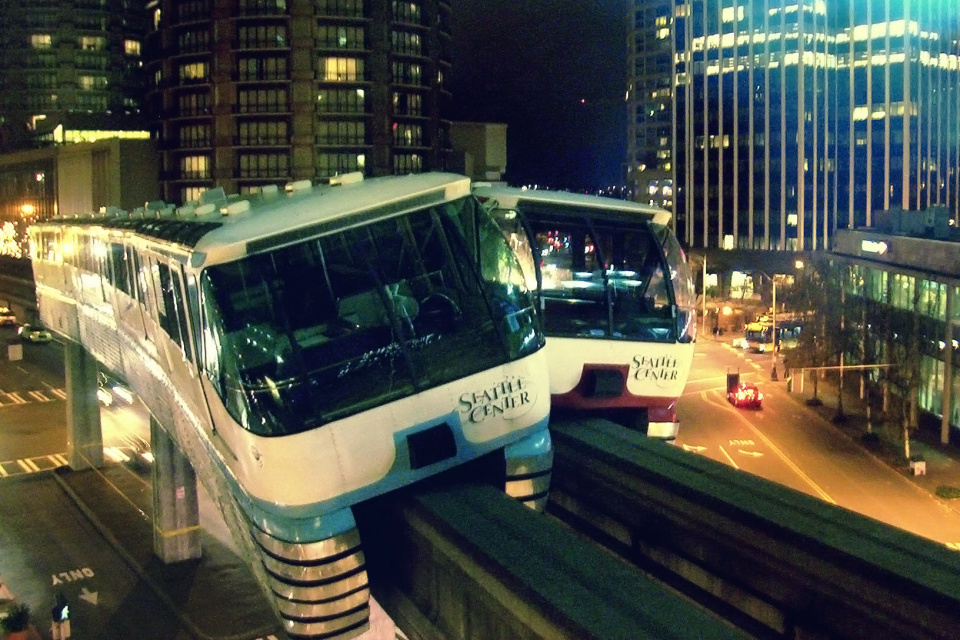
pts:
[341, 69]
[92, 43]
[131, 47]
[41, 41]
[194, 71]
[195, 167]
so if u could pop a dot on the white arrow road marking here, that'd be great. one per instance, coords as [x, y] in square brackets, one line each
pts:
[89, 596]
[755, 454]
[696, 448]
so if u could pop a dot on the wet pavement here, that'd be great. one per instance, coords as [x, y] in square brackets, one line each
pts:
[88, 534]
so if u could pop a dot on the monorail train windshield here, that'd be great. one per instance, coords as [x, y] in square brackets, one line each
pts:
[607, 278]
[310, 333]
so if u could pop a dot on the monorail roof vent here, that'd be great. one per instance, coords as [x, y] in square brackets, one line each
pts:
[347, 178]
[113, 212]
[204, 209]
[216, 196]
[299, 185]
[238, 206]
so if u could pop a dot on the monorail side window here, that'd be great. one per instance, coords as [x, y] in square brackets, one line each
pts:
[170, 312]
[319, 331]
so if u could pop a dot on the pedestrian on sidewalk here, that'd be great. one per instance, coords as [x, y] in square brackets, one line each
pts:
[60, 627]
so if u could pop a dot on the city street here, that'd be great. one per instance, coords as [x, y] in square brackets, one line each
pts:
[789, 443]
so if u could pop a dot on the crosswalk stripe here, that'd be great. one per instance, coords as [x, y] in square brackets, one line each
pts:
[60, 393]
[16, 398]
[62, 459]
[38, 396]
[28, 465]
[57, 460]
[3, 472]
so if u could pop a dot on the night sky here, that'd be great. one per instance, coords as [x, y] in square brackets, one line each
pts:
[529, 63]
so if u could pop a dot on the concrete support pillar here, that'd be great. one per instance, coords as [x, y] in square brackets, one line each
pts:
[84, 436]
[176, 514]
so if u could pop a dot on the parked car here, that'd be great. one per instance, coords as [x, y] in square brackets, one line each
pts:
[7, 318]
[745, 395]
[34, 333]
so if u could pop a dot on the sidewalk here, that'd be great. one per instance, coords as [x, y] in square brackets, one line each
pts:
[942, 461]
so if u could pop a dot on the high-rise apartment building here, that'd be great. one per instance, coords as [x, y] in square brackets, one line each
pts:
[797, 117]
[70, 70]
[256, 92]
[650, 111]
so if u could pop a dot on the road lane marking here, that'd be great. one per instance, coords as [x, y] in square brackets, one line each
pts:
[823, 494]
[29, 466]
[803, 476]
[734, 464]
[57, 460]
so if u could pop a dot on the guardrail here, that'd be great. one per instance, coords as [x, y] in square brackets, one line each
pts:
[775, 559]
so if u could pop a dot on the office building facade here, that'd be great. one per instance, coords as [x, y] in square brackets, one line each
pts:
[650, 124]
[797, 117]
[256, 92]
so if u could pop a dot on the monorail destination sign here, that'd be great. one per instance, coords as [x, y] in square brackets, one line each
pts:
[510, 398]
[660, 370]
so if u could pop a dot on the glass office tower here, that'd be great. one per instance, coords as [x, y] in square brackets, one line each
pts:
[797, 117]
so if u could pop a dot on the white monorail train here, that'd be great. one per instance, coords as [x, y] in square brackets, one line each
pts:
[308, 349]
[617, 295]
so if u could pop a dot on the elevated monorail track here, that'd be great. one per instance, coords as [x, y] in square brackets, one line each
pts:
[767, 561]
[467, 562]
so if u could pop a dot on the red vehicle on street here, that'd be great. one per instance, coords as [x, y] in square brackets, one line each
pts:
[745, 395]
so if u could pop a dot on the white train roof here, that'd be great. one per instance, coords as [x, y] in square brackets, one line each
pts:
[221, 228]
[511, 197]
